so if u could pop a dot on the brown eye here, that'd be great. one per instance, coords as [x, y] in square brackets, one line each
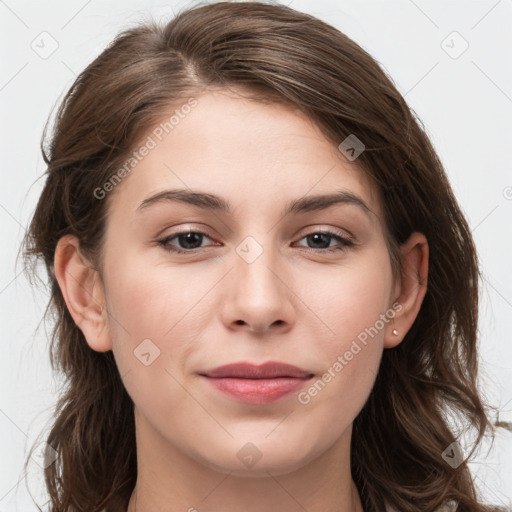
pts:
[324, 238]
[189, 241]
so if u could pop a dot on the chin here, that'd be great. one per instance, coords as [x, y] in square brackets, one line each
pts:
[256, 461]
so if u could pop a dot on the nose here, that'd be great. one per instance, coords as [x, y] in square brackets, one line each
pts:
[258, 299]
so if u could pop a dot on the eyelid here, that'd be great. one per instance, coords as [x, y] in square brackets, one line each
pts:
[182, 230]
[308, 230]
[311, 229]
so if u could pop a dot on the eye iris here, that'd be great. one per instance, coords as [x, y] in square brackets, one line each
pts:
[190, 239]
[316, 237]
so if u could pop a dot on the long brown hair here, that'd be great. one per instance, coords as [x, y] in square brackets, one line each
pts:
[281, 55]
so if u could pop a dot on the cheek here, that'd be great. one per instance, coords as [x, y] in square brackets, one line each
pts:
[349, 298]
[352, 305]
[143, 310]
[149, 309]
[151, 300]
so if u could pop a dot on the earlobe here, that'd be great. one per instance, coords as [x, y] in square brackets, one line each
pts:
[412, 287]
[82, 290]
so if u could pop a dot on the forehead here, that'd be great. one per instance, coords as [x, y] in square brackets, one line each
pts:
[252, 152]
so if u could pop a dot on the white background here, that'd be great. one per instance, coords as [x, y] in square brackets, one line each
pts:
[465, 104]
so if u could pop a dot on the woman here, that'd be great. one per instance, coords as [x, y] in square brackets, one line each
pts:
[257, 370]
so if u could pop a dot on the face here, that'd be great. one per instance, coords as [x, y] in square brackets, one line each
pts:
[189, 287]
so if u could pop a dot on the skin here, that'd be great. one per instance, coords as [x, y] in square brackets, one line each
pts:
[295, 303]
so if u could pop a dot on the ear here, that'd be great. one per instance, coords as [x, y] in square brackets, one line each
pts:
[83, 293]
[410, 288]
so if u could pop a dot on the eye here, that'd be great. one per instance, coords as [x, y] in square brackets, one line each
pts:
[324, 238]
[191, 240]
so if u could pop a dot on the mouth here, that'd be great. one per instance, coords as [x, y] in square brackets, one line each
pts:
[257, 384]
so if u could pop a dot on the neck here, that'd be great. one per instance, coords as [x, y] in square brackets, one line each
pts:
[172, 481]
[354, 504]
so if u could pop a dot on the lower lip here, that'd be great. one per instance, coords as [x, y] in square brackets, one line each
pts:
[257, 391]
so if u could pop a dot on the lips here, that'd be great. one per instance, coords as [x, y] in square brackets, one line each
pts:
[269, 370]
[257, 384]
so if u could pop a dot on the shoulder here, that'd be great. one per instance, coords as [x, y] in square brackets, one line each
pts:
[450, 506]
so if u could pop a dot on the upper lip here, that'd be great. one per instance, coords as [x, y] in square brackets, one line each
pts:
[268, 370]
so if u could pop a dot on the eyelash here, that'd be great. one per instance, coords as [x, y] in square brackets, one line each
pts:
[344, 241]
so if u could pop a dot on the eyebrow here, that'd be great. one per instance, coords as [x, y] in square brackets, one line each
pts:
[216, 203]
